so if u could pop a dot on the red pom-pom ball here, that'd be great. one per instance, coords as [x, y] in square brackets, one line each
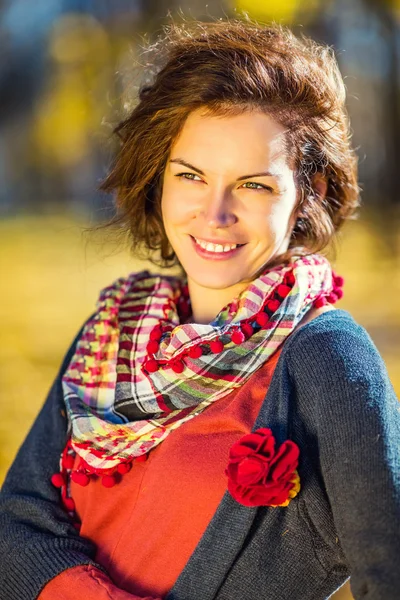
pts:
[68, 461]
[290, 278]
[141, 458]
[108, 481]
[238, 337]
[339, 281]
[319, 302]
[283, 290]
[80, 478]
[124, 468]
[332, 298]
[177, 366]
[156, 334]
[152, 347]
[57, 480]
[262, 318]
[273, 305]
[195, 352]
[151, 365]
[69, 504]
[247, 329]
[216, 346]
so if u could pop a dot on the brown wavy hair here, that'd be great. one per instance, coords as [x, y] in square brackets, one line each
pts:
[228, 67]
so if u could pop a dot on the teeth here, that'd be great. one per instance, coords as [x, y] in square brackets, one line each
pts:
[215, 247]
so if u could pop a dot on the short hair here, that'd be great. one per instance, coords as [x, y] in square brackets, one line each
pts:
[228, 67]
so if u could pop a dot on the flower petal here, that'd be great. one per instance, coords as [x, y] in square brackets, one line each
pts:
[285, 461]
[251, 470]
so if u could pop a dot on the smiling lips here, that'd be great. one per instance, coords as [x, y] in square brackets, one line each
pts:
[215, 251]
[211, 247]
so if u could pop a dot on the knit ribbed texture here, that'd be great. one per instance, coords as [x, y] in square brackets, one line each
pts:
[331, 395]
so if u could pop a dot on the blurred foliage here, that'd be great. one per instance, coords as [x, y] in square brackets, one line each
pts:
[284, 11]
[69, 70]
[287, 11]
[80, 48]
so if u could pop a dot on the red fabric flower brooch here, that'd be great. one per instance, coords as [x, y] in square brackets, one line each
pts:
[259, 475]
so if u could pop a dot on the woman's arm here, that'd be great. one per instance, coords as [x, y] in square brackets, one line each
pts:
[342, 381]
[85, 582]
[37, 538]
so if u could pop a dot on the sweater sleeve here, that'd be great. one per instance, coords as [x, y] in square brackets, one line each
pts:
[37, 538]
[342, 382]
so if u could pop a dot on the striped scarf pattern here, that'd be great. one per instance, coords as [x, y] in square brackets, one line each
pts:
[117, 410]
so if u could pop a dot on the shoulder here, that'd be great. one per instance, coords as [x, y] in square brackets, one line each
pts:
[333, 347]
[331, 329]
[338, 383]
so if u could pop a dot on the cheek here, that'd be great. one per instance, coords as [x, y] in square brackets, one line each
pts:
[173, 210]
[167, 205]
[273, 223]
[282, 211]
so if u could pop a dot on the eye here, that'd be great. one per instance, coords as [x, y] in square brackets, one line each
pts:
[189, 176]
[257, 186]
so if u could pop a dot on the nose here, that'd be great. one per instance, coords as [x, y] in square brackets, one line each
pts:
[218, 210]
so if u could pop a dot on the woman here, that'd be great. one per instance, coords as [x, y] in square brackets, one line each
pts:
[224, 433]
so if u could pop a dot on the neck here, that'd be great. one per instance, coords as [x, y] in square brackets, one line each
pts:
[208, 302]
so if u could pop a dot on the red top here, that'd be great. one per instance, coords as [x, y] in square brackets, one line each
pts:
[146, 527]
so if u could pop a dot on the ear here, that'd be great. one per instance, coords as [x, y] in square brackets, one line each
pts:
[320, 186]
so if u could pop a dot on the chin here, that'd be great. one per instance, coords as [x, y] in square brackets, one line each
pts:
[216, 281]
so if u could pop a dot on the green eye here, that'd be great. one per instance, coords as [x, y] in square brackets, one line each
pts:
[188, 176]
[259, 186]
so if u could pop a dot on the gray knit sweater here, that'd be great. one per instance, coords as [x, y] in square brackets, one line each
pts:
[330, 394]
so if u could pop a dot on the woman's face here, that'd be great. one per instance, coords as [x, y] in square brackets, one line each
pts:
[228, 180]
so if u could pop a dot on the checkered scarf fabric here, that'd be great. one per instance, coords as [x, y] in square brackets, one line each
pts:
[117, 410]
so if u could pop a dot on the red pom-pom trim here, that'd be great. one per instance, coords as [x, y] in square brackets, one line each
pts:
[57, 480]
[152, 347]
[216, 346]
[80, 478]
[238, 337]
[69, 504]
[339, 293]
[124, 468]
[273, 305]
[108, 481]
[151, 365]
[195, 352]
[283, 290]
[262, 318]
[319, 302]
[247, 329]
[290, 278]
[141, 458]
[68, 461]
[177, 366]
[338, 280]
[332, 298]
[156, 333]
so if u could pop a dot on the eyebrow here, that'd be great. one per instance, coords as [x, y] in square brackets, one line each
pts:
[180, 161]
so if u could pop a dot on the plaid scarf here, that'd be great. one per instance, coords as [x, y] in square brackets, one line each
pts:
[118, 410]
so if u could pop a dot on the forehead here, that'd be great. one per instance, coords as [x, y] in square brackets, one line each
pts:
[252, 138]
